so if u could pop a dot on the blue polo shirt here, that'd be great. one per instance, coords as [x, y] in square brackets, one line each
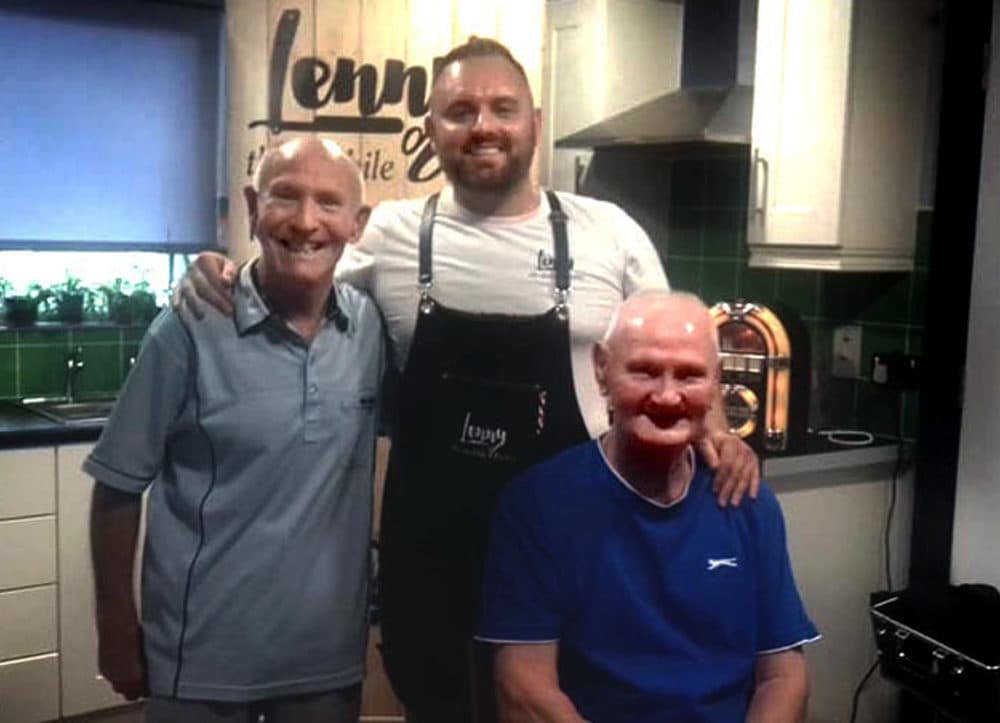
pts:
[659, 611]
[258, 454]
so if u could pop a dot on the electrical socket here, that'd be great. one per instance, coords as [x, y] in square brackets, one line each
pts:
[846, 352]
[896, 370]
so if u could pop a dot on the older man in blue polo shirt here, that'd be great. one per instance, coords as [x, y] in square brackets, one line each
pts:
[255, 438]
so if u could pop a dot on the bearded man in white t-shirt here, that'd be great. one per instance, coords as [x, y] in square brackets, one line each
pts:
[492, 294]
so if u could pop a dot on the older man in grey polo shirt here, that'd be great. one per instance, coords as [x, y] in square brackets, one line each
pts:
[255, 438]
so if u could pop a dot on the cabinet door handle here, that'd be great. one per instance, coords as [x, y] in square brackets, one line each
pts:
[580, 165]
[760, 188]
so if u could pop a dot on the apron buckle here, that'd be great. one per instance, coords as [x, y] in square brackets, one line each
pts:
[562, 304]
[426, 302]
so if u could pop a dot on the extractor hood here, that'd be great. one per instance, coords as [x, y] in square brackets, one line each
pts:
[715, 100]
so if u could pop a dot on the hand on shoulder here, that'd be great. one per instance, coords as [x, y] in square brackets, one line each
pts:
[209, 280]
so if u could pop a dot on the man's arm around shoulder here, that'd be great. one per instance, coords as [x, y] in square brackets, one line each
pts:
[781, 688]
[527, 683]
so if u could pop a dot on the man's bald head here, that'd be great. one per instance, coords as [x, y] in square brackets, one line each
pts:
[681, 314]
[287, 153]
[305, 206]
[657, 368]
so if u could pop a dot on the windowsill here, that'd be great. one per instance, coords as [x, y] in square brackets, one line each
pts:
[54, 325]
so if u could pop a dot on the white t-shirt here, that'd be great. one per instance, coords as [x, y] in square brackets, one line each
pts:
[490, 264]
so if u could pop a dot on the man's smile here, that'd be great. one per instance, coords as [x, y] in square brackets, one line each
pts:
[485, 149]
[301, 248]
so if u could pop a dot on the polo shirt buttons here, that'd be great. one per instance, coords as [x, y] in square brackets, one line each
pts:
[313, 389]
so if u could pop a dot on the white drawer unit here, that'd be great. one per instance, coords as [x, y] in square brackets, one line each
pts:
[83, 688]
[27, 483]
[27, 552]
[29, 689]
[29, 623]
[29, 615]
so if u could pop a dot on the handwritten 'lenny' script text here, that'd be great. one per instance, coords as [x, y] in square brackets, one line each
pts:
[489, 439]
[315, 84]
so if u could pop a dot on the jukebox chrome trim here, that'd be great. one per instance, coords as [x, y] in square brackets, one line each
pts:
[776, 365]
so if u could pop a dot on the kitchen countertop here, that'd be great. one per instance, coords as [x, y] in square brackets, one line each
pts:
[821, 463]
[817, 458]
[22, 428]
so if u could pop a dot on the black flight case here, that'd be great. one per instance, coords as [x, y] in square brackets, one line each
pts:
[944, 646]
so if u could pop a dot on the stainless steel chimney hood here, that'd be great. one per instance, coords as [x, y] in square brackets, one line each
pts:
[715, 100]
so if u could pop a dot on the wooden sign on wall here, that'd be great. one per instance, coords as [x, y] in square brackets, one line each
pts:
[356, 71]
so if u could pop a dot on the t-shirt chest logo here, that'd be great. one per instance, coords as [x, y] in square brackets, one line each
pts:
[545, 264]
[714, 563]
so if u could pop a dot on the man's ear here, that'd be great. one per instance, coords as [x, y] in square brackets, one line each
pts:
[360, 221]
[599, 355]
[251, 196]
[536, 121]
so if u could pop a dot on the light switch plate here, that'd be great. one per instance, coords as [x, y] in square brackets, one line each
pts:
[846, 352]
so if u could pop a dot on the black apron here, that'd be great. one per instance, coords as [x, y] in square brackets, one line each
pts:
[482, 397]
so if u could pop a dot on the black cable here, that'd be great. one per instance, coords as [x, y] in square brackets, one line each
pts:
[857, 691]
[900, 458]
[888, 517]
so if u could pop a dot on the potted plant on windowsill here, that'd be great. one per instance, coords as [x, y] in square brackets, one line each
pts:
[69, 299]
[5, 288]
[117, 304]
[21, 309]
[127, 303]
[143, 303]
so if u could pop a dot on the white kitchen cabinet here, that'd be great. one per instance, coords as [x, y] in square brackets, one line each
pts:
[29, 622]
[83, 688]
[601, 57]
[27, 552]
[840, 94]
[27, 483]
[29, 689]
[29, 660]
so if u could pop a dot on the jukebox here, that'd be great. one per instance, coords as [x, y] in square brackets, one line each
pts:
[764, 363]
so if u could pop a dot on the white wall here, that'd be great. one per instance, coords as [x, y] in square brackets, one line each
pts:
[977, 504]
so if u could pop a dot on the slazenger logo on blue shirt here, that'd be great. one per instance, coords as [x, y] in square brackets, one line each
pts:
[715, 563]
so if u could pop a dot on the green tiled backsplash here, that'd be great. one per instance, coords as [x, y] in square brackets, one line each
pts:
[33, 360]
[695, 208]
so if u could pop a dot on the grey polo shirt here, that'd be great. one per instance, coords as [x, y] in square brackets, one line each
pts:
[258, 453]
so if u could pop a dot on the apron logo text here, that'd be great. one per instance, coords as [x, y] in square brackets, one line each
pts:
[486, 441]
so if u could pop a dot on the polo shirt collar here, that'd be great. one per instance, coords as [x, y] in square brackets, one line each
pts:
[251, 309]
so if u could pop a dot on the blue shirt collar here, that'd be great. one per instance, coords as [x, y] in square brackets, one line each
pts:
[251, 309]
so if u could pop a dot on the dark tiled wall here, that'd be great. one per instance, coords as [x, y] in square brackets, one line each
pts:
[694, 206]
[33, 361]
